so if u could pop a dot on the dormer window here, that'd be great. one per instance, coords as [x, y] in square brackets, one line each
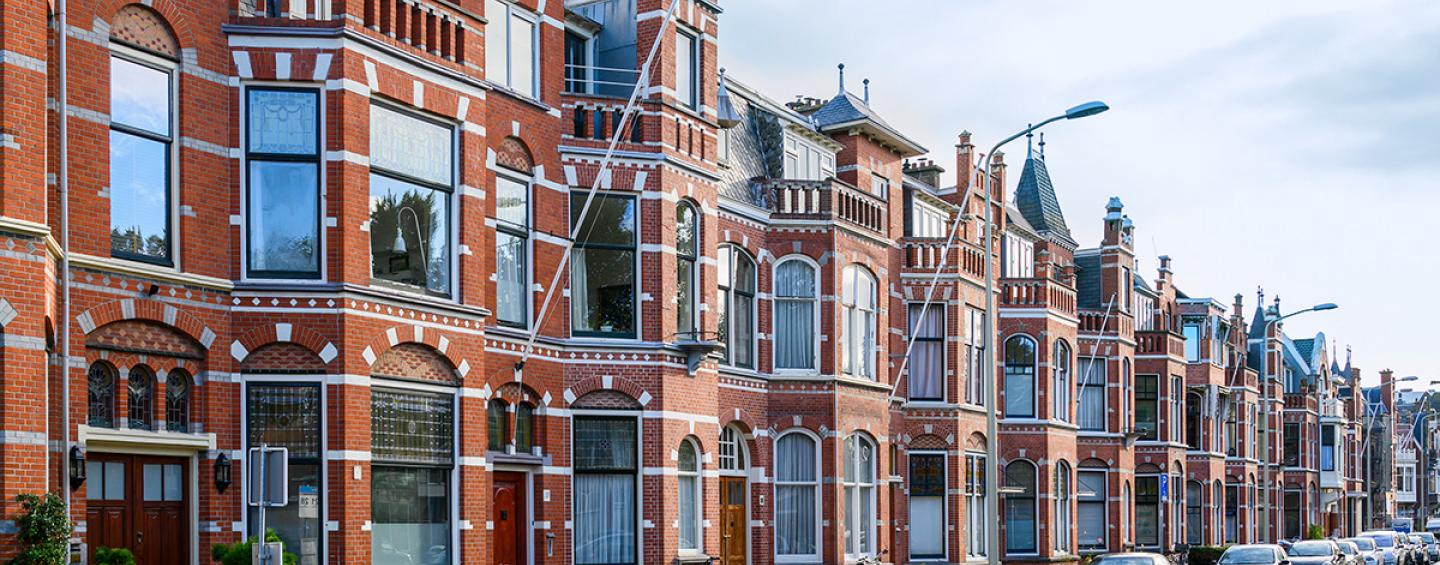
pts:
[1019, 257]
[807, 161]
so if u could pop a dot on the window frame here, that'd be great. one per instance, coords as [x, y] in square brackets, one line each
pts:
[696, 58]
[940, 341]
[944, 499]
[1085, 381]
[698, 486]
[1149, 499]
[449, 195]
[300, 381]
[110, 399]
[582, 244]
[1149, 398]
[776, 299]
[497, 406]
[636, 473]
[977, 344]
[1097, 498]
[512, 12]
[977, 544]
[451, 469]
[736, 463]
[692, 255]
[173, 159]
[860, 500]
[185, 400]
[148, 379]
[1016, 370]
[819, 502]
[248, 274]
[1062, 370]
[727, 298]
[522, 232]
[857, 310]
[1034, 498]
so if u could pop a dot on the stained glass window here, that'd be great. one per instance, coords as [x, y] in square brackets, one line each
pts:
[498, 431]
[524, 428]
[283, 197]
[177, 401]
[411, 426]
[142, 398]
[101, 381]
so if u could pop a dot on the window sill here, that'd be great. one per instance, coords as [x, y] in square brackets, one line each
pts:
[512, 93]
[163, 274]
[90, 435]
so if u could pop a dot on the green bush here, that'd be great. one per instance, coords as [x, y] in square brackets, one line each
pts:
[1205, 554]
[1314, 532]
[239, 553]
[44, 530]
[113, 556]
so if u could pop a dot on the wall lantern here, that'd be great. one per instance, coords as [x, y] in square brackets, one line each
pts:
[77, 466]
[222, 472]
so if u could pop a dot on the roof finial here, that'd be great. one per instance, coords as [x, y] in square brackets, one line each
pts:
[842, 78]
[1042, 145]
[1029, 141]
[867, 91]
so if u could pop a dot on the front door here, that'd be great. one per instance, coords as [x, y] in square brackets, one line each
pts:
[508, 513]
[732, 521]
[138, 503]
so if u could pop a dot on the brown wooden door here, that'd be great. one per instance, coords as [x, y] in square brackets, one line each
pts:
[732, 521]
[508, 513]
[139, 503]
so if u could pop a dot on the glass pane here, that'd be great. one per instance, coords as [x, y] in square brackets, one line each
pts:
[687, 457]
[174, 483]
[522, 56]
[94, 480]
[496, 51]
[497, 430]
[689, 522]
[410, 145]
[524, 424]
[153, 482]
[409, 234]
[411, 427]
[605, 444]
[510, 291]
[139, 96]
[685, 296]
[410, 511]
[300, 529]
[685, 69]
[139, 196]
[283, 121]
[284, 217]
[101, 395]
[796, 456]
[604, 519]
[512, 201]
[611, 219]
[685, 232]
[285, 416]
[114, 480]
[602, 290]
[795, 279]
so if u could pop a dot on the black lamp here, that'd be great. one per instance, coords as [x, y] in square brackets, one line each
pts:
[77, 466]
[222, 472]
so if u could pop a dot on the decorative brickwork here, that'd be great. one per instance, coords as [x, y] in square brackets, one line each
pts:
[514, 154]
[416, 362]
[134, 336]
[606, 400]
[142, 27]
[282, 358]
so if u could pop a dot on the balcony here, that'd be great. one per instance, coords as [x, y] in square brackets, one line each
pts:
[964, 257]
[1159, 343]
[1301, 401]
[1037, 293]
[434, 30]
[1111, 323]
[828, 200]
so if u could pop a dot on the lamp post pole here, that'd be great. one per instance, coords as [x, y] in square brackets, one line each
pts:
[1272, 317]
[992, 439]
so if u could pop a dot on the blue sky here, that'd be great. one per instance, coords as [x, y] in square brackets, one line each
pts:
[1289, 145]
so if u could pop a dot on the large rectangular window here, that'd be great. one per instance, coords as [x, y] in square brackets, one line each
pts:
[1327, 448]
[977, 512]
[806, 161]
[1147, 406]
[1291, 456]
[1090, 496]
[1092, 380]
[1019, 260]
[605, 465]
[1193, 329]
[412, 445]
[1232, 513]
[512, 251]
[927, 505]
[141, 137]
[927, 355]
[510, 53]
[975, 351]
[602, 266]
[411, 180]
[1147, 511]
[289, 415]
[282, 153]
[1293, 526]
[687, 65]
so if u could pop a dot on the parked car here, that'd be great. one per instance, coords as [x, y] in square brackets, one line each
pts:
[1350, 552]
[1371, 552]
[1254, 554]
[1390, 546]
[1432, 544]
[1131, 558]
[1433, 525]
[1422, 549]
[1315, 552]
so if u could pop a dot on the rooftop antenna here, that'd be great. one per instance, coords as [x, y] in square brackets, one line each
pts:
[842, 78]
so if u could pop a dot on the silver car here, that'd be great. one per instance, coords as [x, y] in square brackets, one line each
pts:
[1390, 547]
[1370, 552]
[1315, 552]
[1254, 554]
[1432, 544]
[1132, 558]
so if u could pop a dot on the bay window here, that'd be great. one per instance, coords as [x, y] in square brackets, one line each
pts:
[859, 504]
[687, 253]
[290, 415]
[688, 472]
[282, 175]
[1020, 509]
[412, 447]
[1092, 393]
[606, 462]
[1090, 497]
[510, 47]
[736, 306]
[1060, 391]
[977, 509]
[927, 506]
[1020, 377]
[411, 182]
[141, 146]
[512, 251]
[602, 266]
[858, 315]
[797, 489]
[795, 312]
[927, 354]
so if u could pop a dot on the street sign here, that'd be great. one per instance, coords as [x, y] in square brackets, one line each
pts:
[1164, 487]
[268, 476]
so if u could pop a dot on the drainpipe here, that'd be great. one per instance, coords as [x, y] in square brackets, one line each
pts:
[62, 104]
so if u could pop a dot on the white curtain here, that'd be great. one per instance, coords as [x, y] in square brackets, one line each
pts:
[794, 316]
[927, 526]
[795, 509]
[1092, 394]
[689, 534]
[579, 291]
[1091, 493]
[927, 352]
[604, 518]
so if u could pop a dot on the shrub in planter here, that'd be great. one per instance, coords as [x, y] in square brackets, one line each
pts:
[113, 556]
[239, 553]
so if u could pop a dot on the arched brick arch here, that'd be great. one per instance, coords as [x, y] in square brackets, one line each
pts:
[152, 310]
[514, 154]
[412, 360]
[169, 12]
[928, 441]
[260, 336]
[515, 393]
[397, 335]
[607, 382]
[143, 27]
[976, 441]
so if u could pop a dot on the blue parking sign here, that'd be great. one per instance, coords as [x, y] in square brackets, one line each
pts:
[1164, 486]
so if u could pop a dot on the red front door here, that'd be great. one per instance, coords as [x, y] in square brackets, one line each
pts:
[138, 503]
[508, 514]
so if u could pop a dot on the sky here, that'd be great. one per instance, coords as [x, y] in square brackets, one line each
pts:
[1293, 146]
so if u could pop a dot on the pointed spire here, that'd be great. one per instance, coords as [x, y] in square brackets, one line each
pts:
[867, 91]
[842, 78]
[725, 112]
[1029, 143]
[1042, 145]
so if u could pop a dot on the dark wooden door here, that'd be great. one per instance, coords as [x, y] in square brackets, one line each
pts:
[732, 521]
[139, 503]
[508, 513]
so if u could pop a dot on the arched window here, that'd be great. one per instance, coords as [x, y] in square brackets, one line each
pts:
[512, 249]
[737, 306]
[687, 252]
[732, 449]
[1060, 369]
[1194, 512]
[498, 435]
[1092, 489]
[142, 398]
[1020, 517]
[1063, 524]
[524, 428]
[688, 468]
[795, 314]
[797, 499]
[1020, 377]
[177, 401]
[857, 301]
[859, 507]
[101, 380]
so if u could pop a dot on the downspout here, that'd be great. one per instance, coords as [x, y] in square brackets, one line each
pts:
[62, 105]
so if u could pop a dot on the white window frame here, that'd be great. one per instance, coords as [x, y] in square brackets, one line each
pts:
[814, 313]
[452, 203]
[860, 309]
[798, 162]
[982, 516]
[944, 503]
[1103, 390]
[528, 245]
[513, 11]
[1064, 518]
[456, 465]
[1104, 502]
[639, 473]
[859, 498]
[695, 59]
[699, 487]
[696, 265]
[319, 381]
[729, 298]
[977, 346]
[1062, 381]
[935, 309]
[1004, 373]
[820, 540]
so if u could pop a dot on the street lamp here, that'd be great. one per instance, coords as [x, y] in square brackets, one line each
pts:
[1272, 317]
[992, 451]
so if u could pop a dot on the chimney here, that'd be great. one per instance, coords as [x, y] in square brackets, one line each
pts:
[925, 171]
[1163, 281]
[964, 169]
[805, 104]
[1387, 390]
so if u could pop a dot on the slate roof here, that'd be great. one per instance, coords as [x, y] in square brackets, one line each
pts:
[846, 108]
[1306, 348]
[1087, 281]
[1014, 219]
[756, 149]
[1035, 197]
[1374, 398]
[1141, 284]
